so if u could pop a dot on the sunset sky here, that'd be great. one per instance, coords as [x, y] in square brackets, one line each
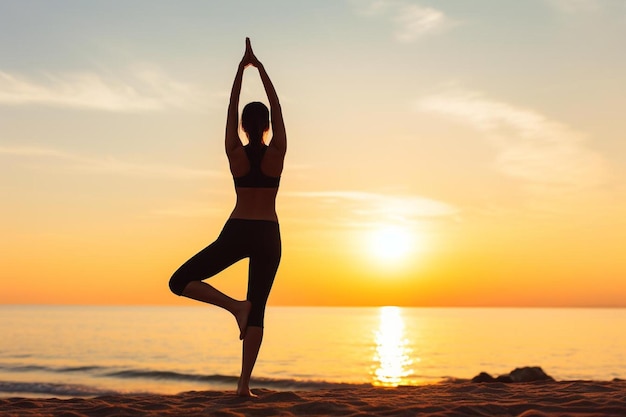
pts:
[441, 153]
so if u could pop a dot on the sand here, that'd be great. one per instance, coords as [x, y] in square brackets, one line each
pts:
[542, 399]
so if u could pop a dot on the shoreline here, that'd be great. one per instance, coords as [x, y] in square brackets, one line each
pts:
[450, 398]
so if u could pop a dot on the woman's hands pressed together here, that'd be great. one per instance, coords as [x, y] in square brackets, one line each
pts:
[248, 57]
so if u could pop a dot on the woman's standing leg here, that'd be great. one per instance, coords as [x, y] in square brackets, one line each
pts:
[264, 262]
[250, 352]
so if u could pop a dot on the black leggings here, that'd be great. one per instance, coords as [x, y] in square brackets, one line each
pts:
[258, 240]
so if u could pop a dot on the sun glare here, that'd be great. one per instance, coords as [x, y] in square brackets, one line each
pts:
[391, 242]
[393, 355]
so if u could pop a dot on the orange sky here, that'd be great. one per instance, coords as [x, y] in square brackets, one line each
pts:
[491, 139]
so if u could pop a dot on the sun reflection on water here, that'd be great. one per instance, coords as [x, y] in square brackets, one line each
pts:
[392, 360]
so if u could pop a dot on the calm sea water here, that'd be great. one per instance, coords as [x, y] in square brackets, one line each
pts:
[84, 351]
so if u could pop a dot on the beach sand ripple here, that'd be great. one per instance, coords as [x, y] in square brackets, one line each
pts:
[460, 398]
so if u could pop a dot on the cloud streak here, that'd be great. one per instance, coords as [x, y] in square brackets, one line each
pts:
[411, 21]
[142, 90]
[532, 148]
[576, 6]
[380, 207]
[108, 165]
[188, 210]
[414, 22]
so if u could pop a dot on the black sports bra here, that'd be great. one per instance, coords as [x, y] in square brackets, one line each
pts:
[255, 178]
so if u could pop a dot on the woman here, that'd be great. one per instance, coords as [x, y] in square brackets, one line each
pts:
[252, 230]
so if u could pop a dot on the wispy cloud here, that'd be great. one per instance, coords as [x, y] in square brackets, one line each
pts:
[414, 21]
[544, 153]
[411, 21]
[575, 6]
[107, 165]
[188, 210]
[140, 90]
[33, 151]
[359, 205]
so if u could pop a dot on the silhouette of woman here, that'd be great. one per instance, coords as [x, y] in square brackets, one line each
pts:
[252, 229]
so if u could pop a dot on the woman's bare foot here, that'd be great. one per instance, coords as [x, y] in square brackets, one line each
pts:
[241, 314]
[244, 391]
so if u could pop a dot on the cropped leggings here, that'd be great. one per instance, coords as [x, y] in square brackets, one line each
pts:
[258, 240]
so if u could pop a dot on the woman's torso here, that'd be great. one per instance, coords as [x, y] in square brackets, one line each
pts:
[256, 191]
[255, 204]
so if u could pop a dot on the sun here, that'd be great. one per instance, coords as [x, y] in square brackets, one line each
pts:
[391, 242]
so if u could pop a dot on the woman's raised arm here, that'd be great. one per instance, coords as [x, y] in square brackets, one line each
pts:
[279, 134]
[232, 141]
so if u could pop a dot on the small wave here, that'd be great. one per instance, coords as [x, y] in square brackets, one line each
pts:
[275, 383]
[169, 375]
[23, 368]
[95, 371]
[44, 368]
[47, 388]
[78, 369]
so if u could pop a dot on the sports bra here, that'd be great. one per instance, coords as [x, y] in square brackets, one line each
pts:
[255, 178]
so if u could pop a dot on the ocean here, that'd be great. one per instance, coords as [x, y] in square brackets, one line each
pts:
[83, 351]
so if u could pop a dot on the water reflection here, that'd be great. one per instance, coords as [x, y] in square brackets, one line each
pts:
[392, 360]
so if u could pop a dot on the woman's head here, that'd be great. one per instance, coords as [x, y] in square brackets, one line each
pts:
[255, 121]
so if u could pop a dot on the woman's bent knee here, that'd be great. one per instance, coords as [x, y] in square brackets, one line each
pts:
[177, 285]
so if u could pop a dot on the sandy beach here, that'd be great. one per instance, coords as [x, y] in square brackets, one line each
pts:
[575, 398]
